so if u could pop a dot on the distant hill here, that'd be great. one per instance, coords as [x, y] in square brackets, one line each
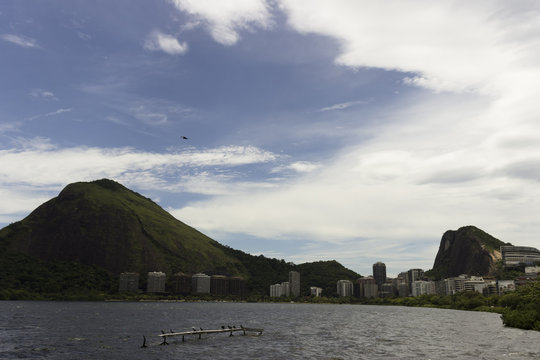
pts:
[92, 229]
[467, 250]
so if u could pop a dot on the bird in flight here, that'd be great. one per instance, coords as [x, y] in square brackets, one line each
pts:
[184, 137]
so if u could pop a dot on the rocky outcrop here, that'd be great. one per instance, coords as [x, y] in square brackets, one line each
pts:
[467, 250]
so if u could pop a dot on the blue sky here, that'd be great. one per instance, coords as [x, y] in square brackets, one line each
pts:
[358, 131]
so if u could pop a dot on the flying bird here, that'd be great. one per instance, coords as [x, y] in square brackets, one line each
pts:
[184, 137]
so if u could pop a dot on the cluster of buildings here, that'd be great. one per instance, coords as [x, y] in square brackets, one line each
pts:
[287, 288]
[183, 284]
[414, 283]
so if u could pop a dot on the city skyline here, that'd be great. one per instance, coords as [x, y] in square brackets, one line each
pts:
[301, 130]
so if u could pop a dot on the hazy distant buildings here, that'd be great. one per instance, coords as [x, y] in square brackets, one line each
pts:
[282, 289]
[200, 283]
[379, 273]
[128, 282]
[156, 282]
[294, 283]
[315, 291]
[345, 288]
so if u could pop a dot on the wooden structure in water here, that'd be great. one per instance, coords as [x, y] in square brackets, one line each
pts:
[224, 329]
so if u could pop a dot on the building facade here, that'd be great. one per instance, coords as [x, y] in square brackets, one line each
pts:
[367, 287]
[294, 283]
[156, 282]
[315, 291]
[421, 287]
[514, 256]
[345, 288]
[237, 286]
[219, 285]
[128, 282]
[282, 289]
[379, 273]
[181, 283]
[200, 283]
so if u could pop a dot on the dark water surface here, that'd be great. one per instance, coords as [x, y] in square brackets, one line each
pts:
[114, 330]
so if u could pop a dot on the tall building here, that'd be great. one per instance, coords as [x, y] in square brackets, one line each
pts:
[219, 285]
[414, 275]
[379, 273]
[181, 283]
[237, 286]
[345, 288]
[128, 282]
[200, 283]
[294, 283]
[156, 282]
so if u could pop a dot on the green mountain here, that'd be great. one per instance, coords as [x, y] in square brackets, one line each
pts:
[92, 231]
[467, 250]
[102, 223]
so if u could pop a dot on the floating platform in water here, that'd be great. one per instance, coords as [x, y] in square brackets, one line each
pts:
[199, 333]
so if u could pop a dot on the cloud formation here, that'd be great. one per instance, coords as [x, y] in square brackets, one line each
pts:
[20, 40]
[158, 41]
[452, 155]
[225, 19]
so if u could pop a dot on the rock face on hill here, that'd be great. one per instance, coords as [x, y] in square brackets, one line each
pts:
[104, 224]
[467, 250]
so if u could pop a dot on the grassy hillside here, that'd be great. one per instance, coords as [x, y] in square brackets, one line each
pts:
[102, 223]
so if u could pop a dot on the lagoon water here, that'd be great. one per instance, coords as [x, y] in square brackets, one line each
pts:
[114, 330]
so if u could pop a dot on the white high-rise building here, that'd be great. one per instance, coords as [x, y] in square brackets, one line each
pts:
[278, 290]
[422, 287]
[345, 288]
[200, 283]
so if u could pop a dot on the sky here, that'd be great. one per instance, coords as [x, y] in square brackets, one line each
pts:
[348, 130]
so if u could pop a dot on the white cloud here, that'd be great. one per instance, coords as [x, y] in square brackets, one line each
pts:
[40, 165]
[226, 18]
[20, 40]
[44, 94]
[52, 113]
[157, 41]
[45, 164]
[345, 105]
[447, 45]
